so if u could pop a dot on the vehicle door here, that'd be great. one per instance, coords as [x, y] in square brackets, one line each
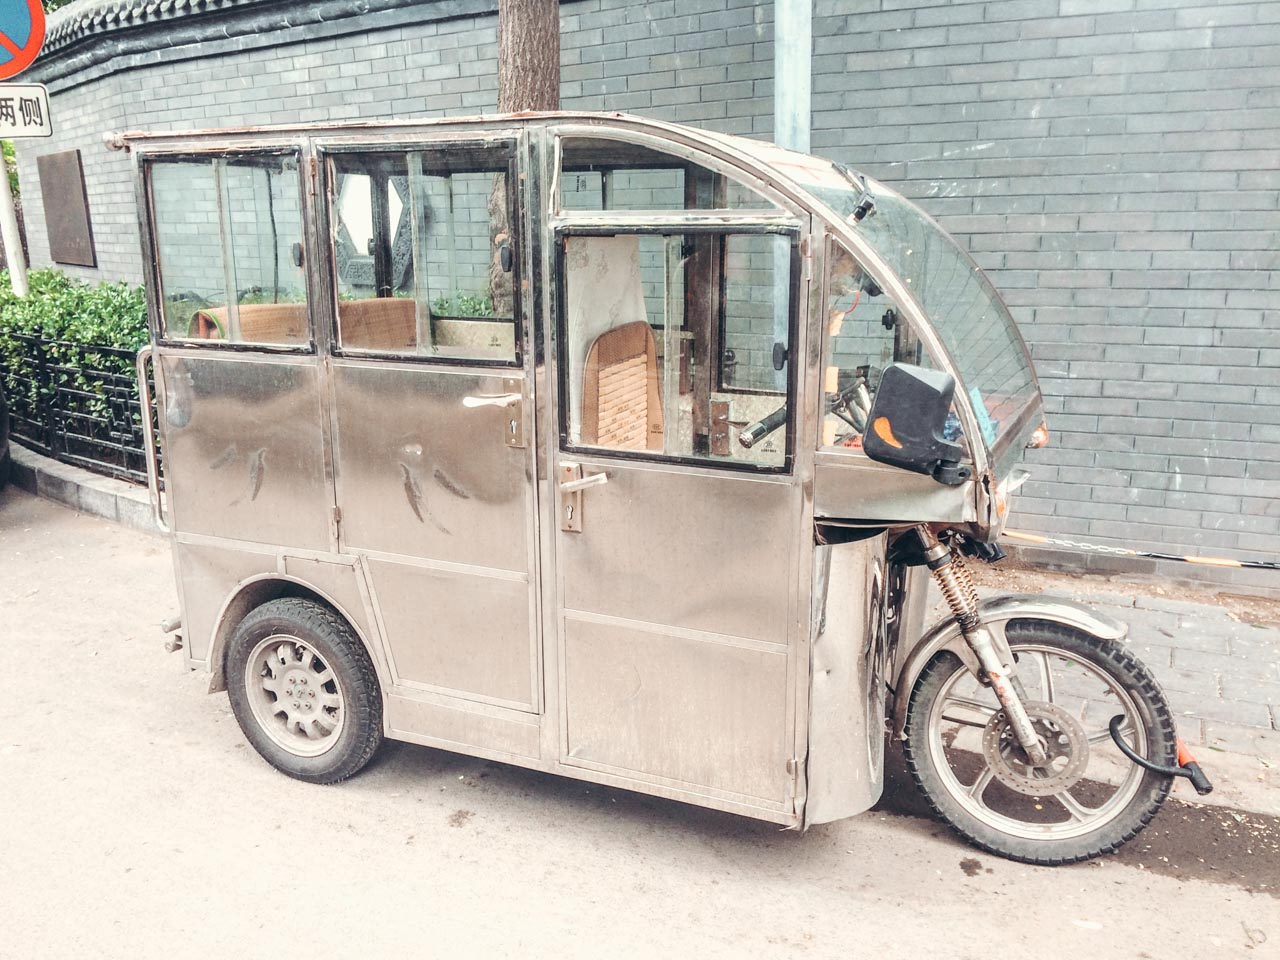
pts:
[432, 471]
[677, 546]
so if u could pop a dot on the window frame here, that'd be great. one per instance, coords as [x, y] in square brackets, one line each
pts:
[505, 145]
[682, 153]
[160, 330]
[566, 228]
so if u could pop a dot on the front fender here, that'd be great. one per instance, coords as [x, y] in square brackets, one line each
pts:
[947, 636]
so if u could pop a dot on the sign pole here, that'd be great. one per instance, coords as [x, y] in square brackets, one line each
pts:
[9, 233]
[24, 112]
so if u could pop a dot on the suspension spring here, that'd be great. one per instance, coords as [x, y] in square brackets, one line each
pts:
[957, 589]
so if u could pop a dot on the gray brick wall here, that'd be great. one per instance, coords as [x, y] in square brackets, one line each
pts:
[1111, 163]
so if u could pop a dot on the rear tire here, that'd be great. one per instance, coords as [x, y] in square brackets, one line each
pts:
[304, 691]
[1058, 827]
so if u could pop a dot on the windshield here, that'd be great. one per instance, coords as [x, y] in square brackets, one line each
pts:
[960, 302]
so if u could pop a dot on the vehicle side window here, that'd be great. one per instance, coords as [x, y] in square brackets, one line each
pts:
[669, 342]
[229, 241]
[603, 174]
[865, 333]
[424, 256]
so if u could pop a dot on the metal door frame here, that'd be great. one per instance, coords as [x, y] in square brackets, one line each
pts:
[806, 350]
[323, 146]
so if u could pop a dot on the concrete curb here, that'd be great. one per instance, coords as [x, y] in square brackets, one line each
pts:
[82, 490]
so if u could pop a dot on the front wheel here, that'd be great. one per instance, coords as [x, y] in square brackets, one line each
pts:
[1088, 798]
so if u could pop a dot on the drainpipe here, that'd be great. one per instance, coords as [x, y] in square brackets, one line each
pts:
[792, 83]
[792, 72]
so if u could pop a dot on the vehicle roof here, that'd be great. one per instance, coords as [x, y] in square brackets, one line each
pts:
[522, 118]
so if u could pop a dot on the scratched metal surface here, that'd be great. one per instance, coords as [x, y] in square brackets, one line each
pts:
[419, 474]
[244, 449]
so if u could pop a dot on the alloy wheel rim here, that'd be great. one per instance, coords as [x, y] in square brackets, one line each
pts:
[1081, 818]
[294, 695]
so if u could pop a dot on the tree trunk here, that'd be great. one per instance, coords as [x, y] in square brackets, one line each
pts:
[528, 79]
[528, 55]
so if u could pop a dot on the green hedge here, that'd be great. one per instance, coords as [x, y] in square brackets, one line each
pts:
[80, 317]
[62, 308]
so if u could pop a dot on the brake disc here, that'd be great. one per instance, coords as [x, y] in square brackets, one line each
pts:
[1065, 744]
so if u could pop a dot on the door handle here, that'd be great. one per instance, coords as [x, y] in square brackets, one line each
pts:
[572, 483]
[512, 400]
[595, 480]
[492, 400]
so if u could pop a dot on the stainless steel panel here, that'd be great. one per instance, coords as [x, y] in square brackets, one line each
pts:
[457, 631]
[422, 475]
[849, 486]
[243, 449]
[694, 711]
[851, 659]
[699, 550]
[338, 582]
[452, 727]
[208, 577]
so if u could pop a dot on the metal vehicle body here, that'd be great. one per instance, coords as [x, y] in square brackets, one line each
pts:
[645, 554]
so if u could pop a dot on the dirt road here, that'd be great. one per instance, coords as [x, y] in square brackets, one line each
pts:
[135, 822]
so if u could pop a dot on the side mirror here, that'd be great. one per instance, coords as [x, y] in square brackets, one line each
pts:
[904, 428]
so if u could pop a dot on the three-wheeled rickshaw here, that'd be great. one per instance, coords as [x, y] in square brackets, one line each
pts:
[619, 450]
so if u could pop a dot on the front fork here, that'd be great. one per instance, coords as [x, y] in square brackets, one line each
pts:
[957, 588]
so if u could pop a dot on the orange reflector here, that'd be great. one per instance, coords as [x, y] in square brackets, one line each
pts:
[885, 432]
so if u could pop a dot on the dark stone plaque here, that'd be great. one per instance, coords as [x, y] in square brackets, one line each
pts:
[66, 208]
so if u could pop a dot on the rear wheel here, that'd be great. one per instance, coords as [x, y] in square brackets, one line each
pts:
[1088, 798]
[304, 691]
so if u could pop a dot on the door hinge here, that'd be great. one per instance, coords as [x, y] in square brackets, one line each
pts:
[313, 166]
[336, 521]
[806, 258]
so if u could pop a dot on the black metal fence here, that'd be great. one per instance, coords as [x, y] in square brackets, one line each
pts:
[77, 403]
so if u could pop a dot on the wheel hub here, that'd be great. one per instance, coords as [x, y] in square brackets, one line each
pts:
[295, 696]
[1065, 744]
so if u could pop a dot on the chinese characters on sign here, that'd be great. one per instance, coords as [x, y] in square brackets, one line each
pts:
[24, 111]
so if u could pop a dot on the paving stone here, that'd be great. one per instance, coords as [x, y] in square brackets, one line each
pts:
[1243, 667]
[1180, 606]
[1186, 683]
[1178, 638]
[1253, 691]
[1228, 629]
[1230, 711]
[1157, 656]
[1260, 645]
[1234, 738]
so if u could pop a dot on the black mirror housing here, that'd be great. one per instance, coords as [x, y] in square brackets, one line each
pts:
[908, 415]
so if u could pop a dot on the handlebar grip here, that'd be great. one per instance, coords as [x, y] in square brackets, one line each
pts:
[757, 431]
